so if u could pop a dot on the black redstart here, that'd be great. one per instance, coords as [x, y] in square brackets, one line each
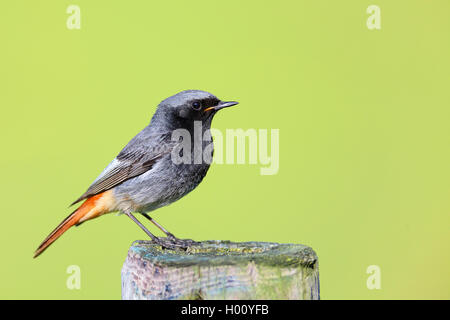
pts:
[144, 175]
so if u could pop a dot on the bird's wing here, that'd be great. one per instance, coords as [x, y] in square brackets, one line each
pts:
[138, 156]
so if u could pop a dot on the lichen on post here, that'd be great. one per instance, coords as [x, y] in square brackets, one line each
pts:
[221, 270]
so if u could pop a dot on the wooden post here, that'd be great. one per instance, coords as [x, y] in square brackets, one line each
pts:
[221, 270]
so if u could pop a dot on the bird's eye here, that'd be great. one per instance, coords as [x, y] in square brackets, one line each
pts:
[196, 105]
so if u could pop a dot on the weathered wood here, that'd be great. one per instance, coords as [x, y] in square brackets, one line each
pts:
[221, 270]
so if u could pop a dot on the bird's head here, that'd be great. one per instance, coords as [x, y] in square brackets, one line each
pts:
[185, 107]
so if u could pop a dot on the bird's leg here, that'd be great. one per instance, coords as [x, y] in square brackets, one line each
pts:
[182, 243]
[154, 238]
[160, 227]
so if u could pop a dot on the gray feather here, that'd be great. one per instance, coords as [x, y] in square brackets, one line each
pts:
[138, 157]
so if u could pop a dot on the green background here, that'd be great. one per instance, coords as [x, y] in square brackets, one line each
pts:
[363, 118]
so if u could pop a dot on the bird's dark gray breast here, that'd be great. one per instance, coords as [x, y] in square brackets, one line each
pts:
[193, 173]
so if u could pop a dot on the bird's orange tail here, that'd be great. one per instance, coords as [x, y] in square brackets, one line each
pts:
[91, 208]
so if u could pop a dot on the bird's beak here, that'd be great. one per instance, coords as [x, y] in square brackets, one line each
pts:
[222, 104]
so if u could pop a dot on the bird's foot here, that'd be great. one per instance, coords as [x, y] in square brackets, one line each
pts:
[172, 242]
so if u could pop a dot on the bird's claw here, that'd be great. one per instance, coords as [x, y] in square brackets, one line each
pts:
[173, 243]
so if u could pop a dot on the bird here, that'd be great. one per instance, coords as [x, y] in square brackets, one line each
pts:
[148, 174]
